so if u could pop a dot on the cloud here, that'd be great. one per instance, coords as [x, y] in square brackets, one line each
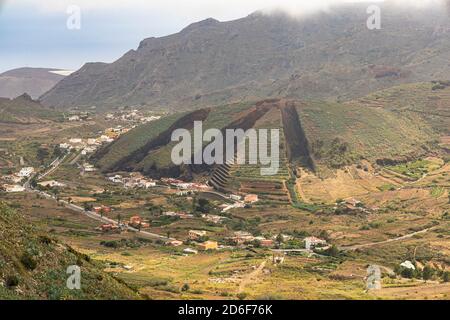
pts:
[198, 9]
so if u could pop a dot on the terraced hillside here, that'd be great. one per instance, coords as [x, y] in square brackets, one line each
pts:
[344, 134]
[246, 178]
[33, 265]
[429, 101]
[317, 136]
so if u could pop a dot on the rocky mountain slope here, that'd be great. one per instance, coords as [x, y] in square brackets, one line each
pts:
[25, 110]
[32, 81]
[326, 55]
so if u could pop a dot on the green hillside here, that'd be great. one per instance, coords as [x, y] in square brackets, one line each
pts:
[430, 101]
[395, 125]
[24, 110]
[33, 266]
[148, 148]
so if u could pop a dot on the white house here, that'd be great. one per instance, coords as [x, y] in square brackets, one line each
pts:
[408, 265]
[65, 146]
[51, 184]
[313, 242]
[190, 251]
[89, 167]
[88, 150]
[92, 142]
[149, 184]
[26, 172]
[74, 118]
[76, 140]
[235, 197]
[13, 188]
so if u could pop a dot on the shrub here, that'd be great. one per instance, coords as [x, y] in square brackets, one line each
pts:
[12, 281]
[28, 261]
[185, 287]
[446, 276]
[427, 273]
[241, 296]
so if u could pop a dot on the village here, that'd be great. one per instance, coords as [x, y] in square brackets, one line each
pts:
[128, 211]
[194, 240]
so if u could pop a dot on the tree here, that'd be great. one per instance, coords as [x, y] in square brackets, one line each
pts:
[333, 251]
[185, 287]
[324, 235]
[279, 239]
[407, 273]
[168, 234]
[33, 183]
[88, 206]
[42, 154]
[57, 152]
[203, 205]
[427, 273]
[446, 276]
[241, 295]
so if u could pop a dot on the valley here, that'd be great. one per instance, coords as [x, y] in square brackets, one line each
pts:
[371, 201]
[282, 155]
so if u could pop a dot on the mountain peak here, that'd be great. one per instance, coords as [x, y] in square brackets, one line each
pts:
[25, 96]
[201, 24]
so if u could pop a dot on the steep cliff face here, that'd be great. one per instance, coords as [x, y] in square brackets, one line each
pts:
[298, 147]
[329, 54]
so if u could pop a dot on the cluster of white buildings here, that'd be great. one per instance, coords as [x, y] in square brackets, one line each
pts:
[181, 215]
[86, 146]
[14, 180]
[312, 243]
[51, 184]
[78, 116]
[187, 186]
[134, 181]
[90, 145]
[213, 218]
[131, 115]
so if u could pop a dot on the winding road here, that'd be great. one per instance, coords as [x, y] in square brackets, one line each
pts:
[371, 244]
[90, 214]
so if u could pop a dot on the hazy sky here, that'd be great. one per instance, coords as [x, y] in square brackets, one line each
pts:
[34, 32]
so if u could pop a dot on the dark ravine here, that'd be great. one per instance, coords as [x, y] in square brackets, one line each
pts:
[298, 147]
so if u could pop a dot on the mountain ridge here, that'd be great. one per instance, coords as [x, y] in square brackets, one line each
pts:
[32, 81]
[263, 56]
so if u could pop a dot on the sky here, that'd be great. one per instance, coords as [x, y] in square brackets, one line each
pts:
[34, 33]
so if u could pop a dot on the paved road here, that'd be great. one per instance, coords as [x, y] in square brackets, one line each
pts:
[93, 215]
[366, 245]
[217, 194]
[53, 166]
[98, 217]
